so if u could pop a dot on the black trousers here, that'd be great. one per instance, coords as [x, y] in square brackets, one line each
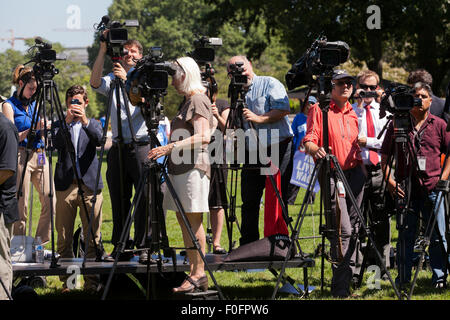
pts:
[252, 187]
[133, 158]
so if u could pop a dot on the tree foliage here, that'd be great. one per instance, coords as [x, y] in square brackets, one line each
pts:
[413, 34]
[174, 24]
[69, 73]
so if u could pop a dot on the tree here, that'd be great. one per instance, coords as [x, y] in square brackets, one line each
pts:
[412, 34]
[174, 24]
[69, 73]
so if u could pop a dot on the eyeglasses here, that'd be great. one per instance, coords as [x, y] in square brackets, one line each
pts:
[182, 69]
[365, 87]
[341, 83]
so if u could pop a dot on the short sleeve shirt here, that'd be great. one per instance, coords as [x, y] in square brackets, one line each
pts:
[182, 128]
[429, 142]
[266, 94]
[23, 119]
[137, 120]
[8, 161]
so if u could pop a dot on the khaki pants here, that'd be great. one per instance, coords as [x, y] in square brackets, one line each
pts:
[67, 203]
[6, 274]
[39, 176]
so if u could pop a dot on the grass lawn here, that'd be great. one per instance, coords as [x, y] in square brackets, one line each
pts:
[251, 285]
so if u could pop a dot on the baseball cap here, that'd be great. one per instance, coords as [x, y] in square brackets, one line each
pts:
[312, 100]
[341, 74]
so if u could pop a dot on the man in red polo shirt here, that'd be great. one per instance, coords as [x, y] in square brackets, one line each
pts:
[343, 143]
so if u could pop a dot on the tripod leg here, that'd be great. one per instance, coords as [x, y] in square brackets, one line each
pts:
[299, 222]
[125, 233]
[340, 175]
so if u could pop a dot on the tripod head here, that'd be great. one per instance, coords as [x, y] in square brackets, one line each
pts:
[44, 58]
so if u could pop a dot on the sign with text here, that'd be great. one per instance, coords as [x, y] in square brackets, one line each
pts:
[303, 168]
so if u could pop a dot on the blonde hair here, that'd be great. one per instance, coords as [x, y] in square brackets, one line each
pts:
[366, 74]
[192, 82]
[21, 73]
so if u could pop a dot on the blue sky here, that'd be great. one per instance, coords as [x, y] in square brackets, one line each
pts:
[69, 22]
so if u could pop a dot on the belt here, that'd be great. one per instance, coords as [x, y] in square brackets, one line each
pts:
[128, 145]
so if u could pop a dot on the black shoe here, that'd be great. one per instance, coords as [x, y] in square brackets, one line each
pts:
[219, 250]
[124, 256]
[144, 258]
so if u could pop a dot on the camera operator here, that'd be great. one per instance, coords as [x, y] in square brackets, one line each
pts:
[430, 141]
[370, 125]
[343, 140]
[19, 109]
[8, 202]
[268, 109]
[191, 132]
[132, 158]
[437, 105]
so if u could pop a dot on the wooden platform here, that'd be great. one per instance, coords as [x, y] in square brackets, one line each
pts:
[215, 263]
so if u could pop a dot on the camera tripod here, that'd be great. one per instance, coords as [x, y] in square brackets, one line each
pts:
[236, 122]
[151, 183]
[323, 168]
[117, 91]
[403, 152]
[47, 92]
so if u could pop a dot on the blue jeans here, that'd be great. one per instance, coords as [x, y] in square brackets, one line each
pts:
[437, 260]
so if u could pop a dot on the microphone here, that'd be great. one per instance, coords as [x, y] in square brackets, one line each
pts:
[40, 42]
[105, 20]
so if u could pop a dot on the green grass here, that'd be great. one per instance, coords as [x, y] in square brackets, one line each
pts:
[250, 285]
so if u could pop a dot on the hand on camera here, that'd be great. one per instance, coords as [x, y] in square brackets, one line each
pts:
[320, 153]
[250, 116]
[119, 71]
[362, 141]
[80, 113]
[69, 116]
[391, 188]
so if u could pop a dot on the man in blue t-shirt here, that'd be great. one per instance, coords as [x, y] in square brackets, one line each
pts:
[267, 108]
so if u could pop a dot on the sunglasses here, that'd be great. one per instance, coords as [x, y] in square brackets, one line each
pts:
[75, 101]
[341, 83]
[365, 87]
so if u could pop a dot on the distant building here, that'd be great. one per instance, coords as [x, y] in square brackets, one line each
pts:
[79, 54]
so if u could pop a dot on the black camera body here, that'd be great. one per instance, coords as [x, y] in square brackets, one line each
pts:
[150, 76]
[236, 71]
[319, 59]
[116, 37]
[368, 94]
[44, 59]
[204, 54]
[399, 99]
[204, 51]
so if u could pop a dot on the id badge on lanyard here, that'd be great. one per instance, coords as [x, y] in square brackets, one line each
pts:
[422, 162]
[40, 157]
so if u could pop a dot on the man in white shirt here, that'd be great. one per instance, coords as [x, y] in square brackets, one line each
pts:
[370, 126]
